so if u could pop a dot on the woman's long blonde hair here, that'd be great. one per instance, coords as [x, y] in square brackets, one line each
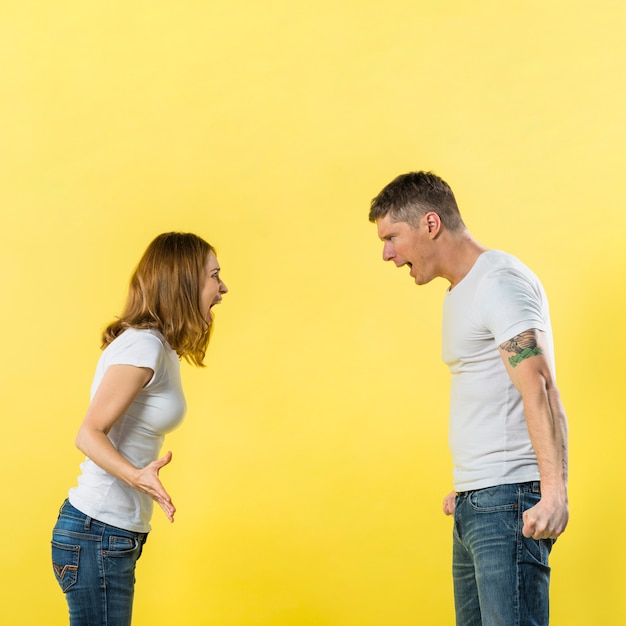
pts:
[164, 294]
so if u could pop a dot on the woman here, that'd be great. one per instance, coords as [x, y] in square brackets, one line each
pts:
[136, 397]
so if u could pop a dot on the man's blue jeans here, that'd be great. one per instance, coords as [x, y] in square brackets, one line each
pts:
[501, 578]
[94, 564]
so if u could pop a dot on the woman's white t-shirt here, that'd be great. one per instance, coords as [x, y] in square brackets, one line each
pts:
[138, 435]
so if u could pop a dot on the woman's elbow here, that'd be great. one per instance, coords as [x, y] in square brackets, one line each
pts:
[78, 442]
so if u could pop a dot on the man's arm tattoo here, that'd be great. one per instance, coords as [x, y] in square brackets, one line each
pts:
[524, 345]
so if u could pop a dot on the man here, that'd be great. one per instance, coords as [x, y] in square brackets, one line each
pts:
[508, 429]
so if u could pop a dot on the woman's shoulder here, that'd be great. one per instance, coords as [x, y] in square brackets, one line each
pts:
[137, 340]
[134, 335]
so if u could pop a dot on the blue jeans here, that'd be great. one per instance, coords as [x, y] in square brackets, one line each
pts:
[501, 578]
[94, 564]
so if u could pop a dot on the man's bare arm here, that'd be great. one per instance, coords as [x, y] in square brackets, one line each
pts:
[531, 374]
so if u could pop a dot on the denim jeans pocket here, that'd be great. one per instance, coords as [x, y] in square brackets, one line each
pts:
[119, 545]
[65, 563]
[494, 499]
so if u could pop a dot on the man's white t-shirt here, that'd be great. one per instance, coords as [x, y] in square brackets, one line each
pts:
[138, 435]
[498, 299]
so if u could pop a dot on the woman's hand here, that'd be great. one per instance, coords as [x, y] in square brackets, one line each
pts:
[147, 480]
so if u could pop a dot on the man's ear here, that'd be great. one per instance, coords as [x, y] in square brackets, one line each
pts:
[433, 224]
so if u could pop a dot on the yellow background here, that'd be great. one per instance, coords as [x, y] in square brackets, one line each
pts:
[309, 473]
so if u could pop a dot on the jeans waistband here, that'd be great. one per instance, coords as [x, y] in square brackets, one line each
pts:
[533, 486]
[68, 510]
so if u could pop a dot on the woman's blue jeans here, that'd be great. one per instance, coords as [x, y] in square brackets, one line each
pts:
[501, 578]
[94, 564]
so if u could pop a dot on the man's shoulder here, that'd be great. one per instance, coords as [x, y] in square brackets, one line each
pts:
[500, 266]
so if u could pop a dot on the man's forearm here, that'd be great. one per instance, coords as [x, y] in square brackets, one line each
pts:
[547, 427]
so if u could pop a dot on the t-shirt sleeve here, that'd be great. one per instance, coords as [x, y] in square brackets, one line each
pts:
[511, 303]
[137, 348]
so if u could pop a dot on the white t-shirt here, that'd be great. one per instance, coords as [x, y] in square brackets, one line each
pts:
[138, 435]
[489, 441]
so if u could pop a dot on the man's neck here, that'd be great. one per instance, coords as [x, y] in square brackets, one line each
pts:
[462, 251]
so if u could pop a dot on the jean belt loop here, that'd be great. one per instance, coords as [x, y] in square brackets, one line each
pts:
[87, 525]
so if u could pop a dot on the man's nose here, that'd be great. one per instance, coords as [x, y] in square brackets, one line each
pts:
[388, 251]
